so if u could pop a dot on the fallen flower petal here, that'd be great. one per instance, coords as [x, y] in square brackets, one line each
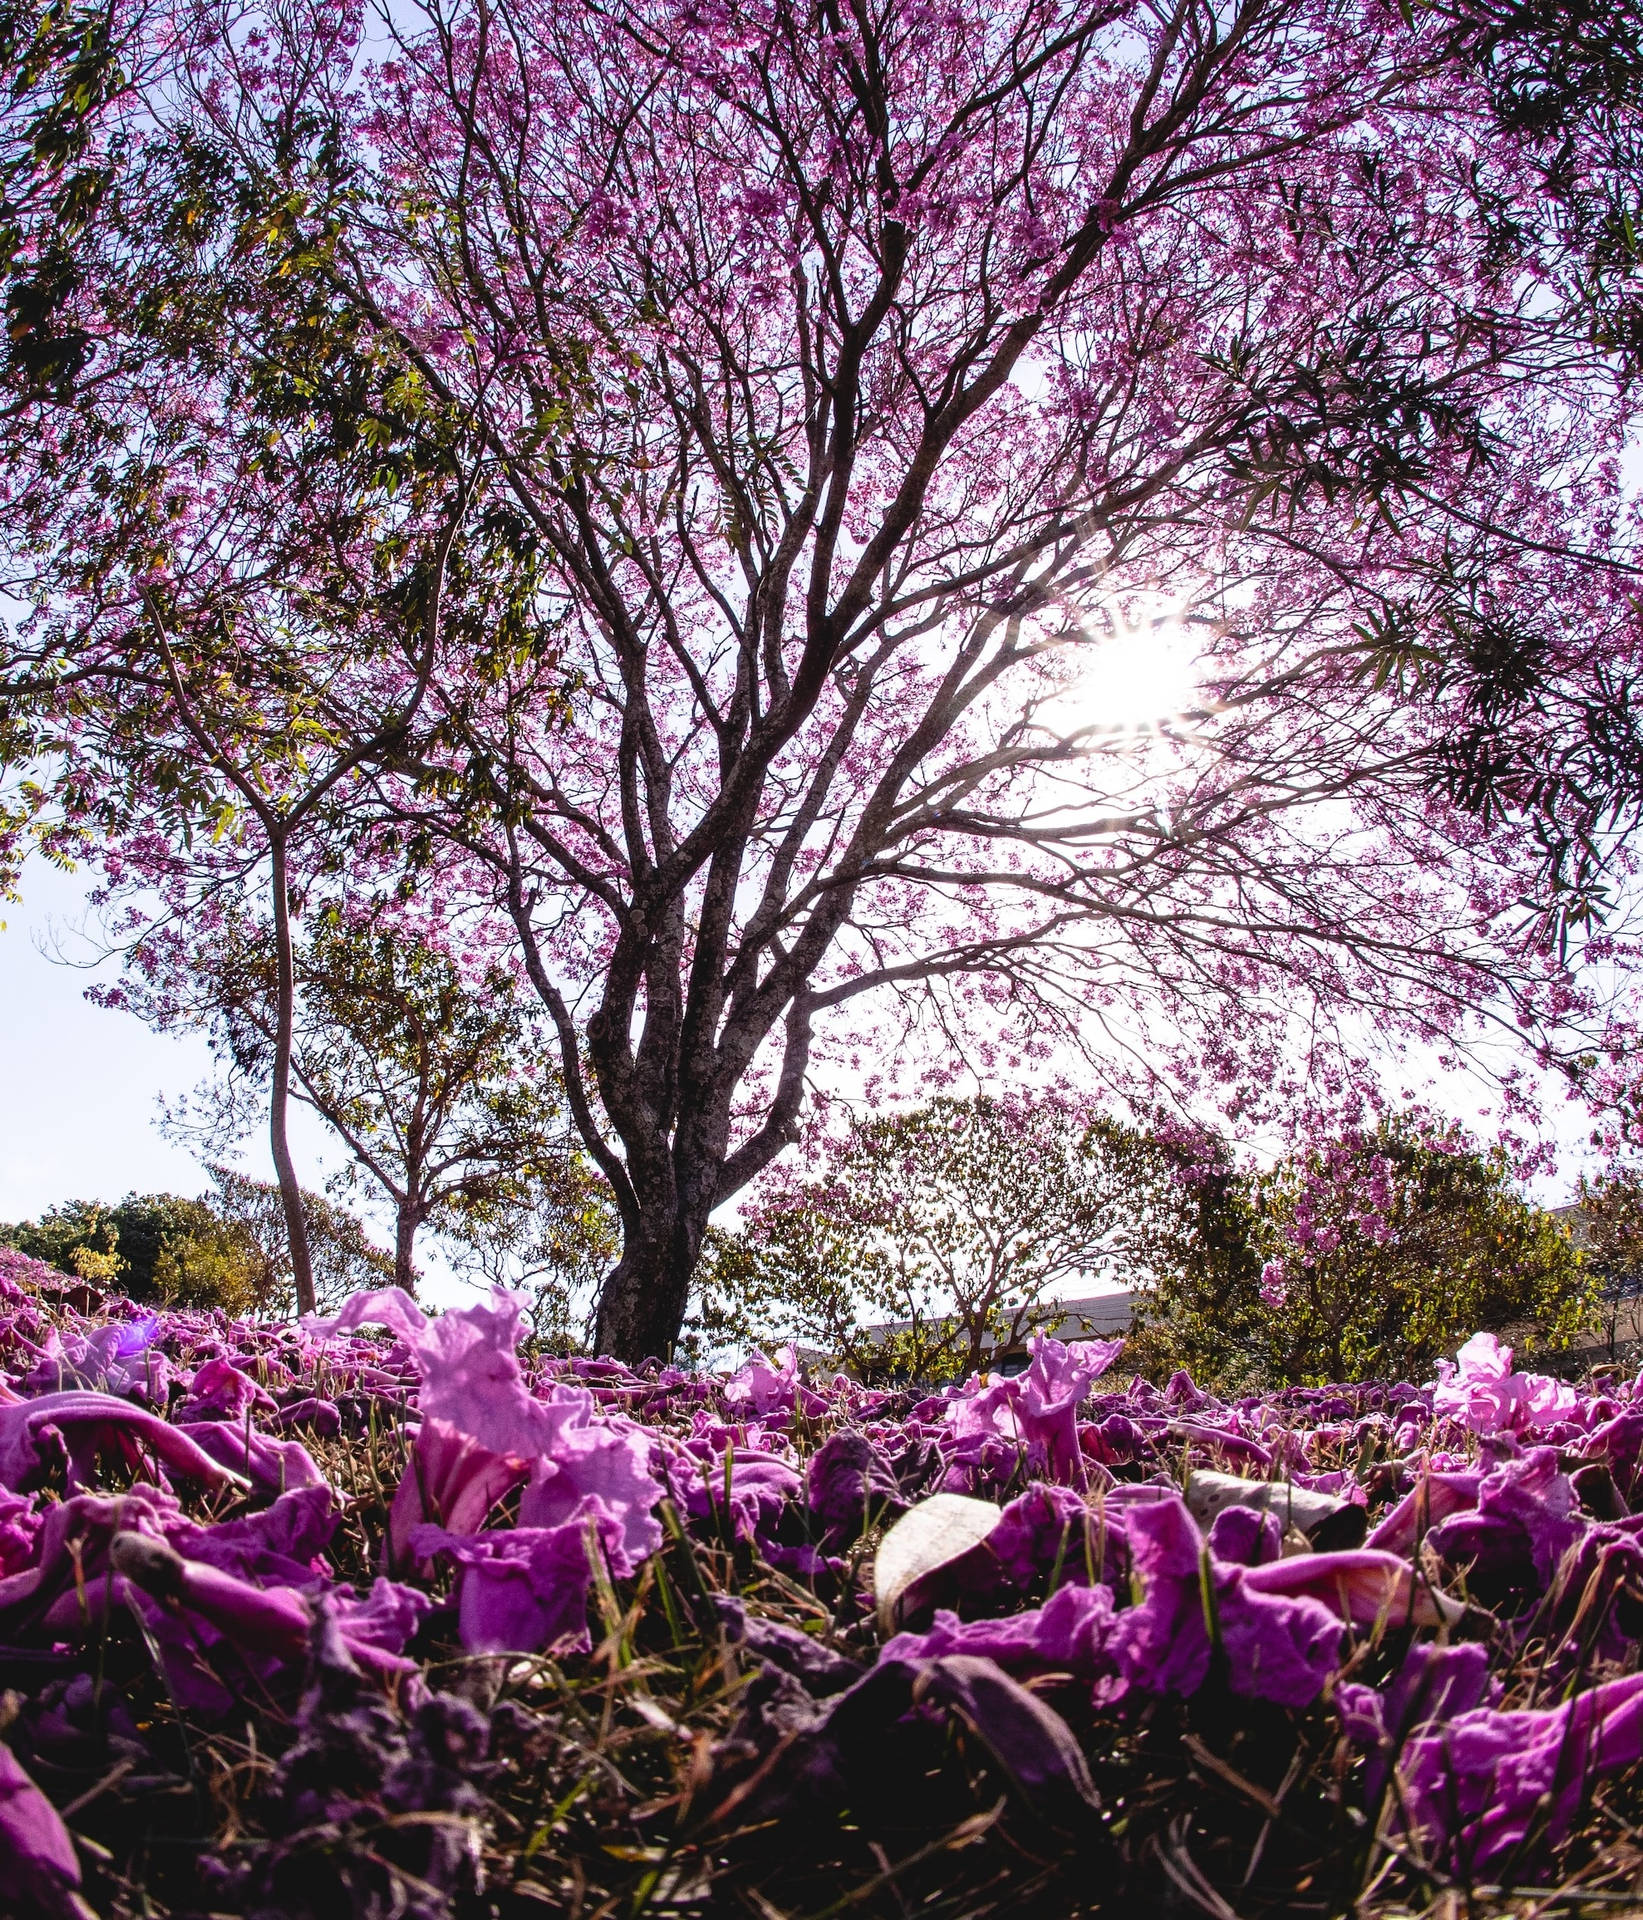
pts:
[1362, 1586]
[38, 1864]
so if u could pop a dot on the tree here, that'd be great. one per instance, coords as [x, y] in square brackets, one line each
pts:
[860, 387]
[235, 526]
[1371, 1256]
[158, 1248]
[432, 1073]
[550, 1235]
[1608, 1228]
[345, 1260]
[947, 1226]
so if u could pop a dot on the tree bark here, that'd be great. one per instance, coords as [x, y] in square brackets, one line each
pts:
[405, 1225]
[642, 1303]
[279, 1100]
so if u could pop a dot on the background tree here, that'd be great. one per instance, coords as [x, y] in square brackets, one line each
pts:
[158, 1248]
[1372, 1256]
[227, 1251]
[547, 1232]
[431, 1072]
[345, 1259]
[930, 1237]
[1607, 1225]
[852, 393]
[264, 522]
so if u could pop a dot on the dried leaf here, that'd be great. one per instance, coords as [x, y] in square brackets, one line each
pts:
[924, 1542]
[1208, 1493]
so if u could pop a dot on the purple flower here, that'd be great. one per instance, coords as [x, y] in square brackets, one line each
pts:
[1487, 1783]
[742, 1487]
[384, 1620]
[470, 1381]
[1060, 1376]
[1619, 1441]
[766, 1385]
[1246, 1536]
[1050, 1531]
[1359, 1585]
[19, 1530]
[91, 1422]
[451, 1481]
[1068, 1634]
[1276, 1647]
[466, 1364]
[112, 1359]
[1435, 1496]
[38, 1863]
[819, 1668]
[190, 1606]
[1481, 1391]
[848, 1485]
[273, 1466]
[220, 1391]
[65, 1592]
[525, 1589]
[279, 1546]
[592, 1456]
[1035, 1413]
[1527, 1518]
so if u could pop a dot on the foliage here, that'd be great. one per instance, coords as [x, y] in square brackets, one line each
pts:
[1611, 1225]
[928, 1237]
[1608, 1227]
[431, 1069]
[344, 1257]
[1197, 1311]
[328, 541]
[547, 1232]
[1372, 1255]
[229, 1252]
[159, 1247]
[824, 413]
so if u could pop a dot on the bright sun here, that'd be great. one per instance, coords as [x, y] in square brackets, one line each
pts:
[1138, 673]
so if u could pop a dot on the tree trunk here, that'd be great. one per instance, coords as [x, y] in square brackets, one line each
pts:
[643, 1301]
[279, 1100]
[405, 1226]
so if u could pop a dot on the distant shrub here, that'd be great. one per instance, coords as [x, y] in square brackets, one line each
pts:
[228, 1251]
[159, 1248]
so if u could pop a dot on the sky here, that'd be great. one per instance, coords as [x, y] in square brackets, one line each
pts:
[84, 1083]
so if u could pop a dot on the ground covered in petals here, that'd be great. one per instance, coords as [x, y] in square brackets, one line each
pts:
[383, 1616]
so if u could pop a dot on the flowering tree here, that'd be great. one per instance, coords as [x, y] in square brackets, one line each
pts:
[234, 532]
[1373, 1253]
[867, 390]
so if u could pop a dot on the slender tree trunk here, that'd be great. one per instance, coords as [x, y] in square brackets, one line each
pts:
[405, 1225]
[279, 1101]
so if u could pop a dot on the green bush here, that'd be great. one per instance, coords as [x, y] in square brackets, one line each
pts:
[1371, 1256]
[159, 1248]
[228, 1252]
